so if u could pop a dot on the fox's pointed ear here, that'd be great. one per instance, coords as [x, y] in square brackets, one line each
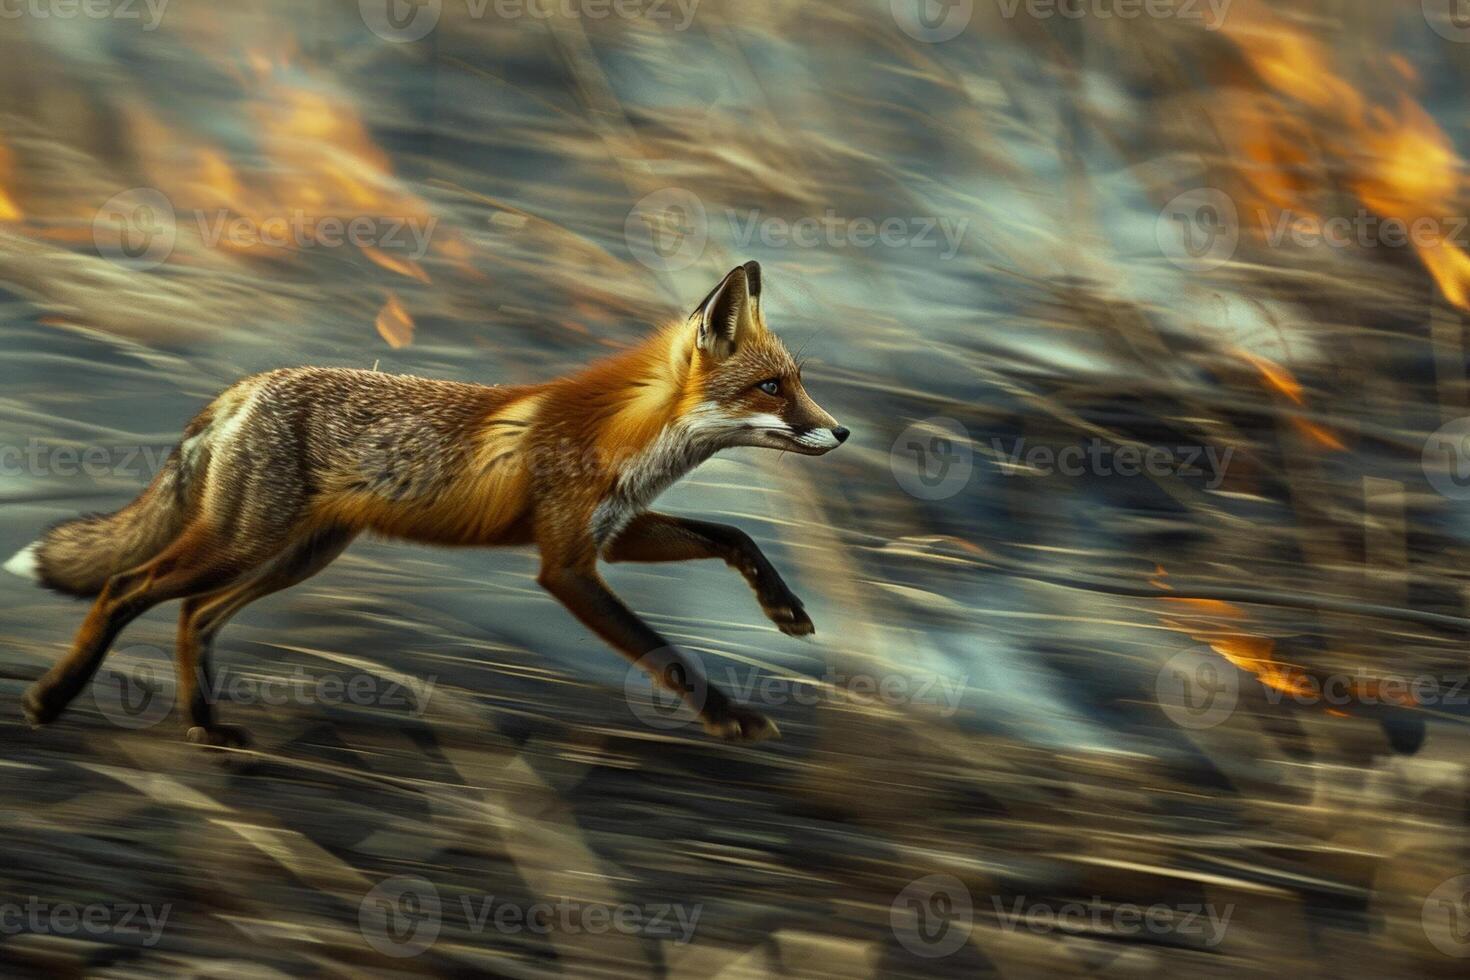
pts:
[729, 313]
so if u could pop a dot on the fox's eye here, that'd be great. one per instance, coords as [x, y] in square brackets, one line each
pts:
[772, 387]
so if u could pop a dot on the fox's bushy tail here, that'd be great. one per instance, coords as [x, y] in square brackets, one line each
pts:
[78, 556]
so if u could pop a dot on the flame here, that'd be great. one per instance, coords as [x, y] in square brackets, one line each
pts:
[404, 267]
[1399, 163]
[1319, 435]
[312, 160]
[1201, 620]
[394, 324]
[1417, 177]
[1285, 382]
[9, 210]
[1274, 374]
[1289, 61]
[1255, 654]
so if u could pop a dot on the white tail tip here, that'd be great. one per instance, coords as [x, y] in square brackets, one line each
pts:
[23, 562]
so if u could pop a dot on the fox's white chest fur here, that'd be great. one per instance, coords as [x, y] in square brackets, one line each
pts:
[679, 448]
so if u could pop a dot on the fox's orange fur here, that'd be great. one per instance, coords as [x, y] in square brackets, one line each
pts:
[278, 475]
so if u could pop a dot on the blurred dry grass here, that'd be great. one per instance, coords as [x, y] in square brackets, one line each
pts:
[1054, 599]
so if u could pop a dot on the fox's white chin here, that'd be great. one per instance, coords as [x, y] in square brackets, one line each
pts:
[810, 442]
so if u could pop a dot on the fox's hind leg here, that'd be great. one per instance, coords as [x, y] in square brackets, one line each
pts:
[203, 616]
[197, 561]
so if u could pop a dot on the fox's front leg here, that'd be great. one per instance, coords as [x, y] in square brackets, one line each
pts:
[576, 584]
[654, 537]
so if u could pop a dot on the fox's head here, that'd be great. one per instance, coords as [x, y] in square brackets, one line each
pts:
[749, 384]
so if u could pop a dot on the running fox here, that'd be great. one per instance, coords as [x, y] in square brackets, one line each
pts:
[278, 474]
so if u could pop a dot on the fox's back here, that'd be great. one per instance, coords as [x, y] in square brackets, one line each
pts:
[407, 456]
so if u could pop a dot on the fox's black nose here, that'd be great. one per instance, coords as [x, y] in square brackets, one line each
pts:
[840, 433]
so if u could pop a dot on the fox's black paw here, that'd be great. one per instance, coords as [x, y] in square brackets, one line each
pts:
[38, 711]
[219, 736]
[789, 615]
[739, 724]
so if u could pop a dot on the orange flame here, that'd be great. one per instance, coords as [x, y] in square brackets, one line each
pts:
[394, 324]
[9, 210]
[1200, 620]
[1274, 374]
[1255, 654]
[1400, 162]
[1283, 381]
[404, 267]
